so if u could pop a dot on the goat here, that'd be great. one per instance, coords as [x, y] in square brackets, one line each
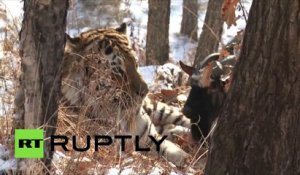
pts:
[207, 93]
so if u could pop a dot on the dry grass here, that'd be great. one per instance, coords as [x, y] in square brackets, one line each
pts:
[9, 72]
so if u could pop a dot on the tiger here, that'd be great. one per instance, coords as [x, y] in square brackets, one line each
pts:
[100, 72]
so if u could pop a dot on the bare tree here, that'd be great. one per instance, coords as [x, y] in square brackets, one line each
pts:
[211, 31]
[157, 46]
[42, 40]
[189, 23]
[258, 131]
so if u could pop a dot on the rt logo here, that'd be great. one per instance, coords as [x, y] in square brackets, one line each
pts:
[29, 143]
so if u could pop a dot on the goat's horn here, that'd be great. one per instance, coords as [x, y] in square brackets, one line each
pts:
[209, 58]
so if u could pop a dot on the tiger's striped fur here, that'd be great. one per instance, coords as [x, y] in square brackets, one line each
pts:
[100, 69]
[167, 119]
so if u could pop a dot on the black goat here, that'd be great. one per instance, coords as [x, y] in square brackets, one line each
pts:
[207, 95]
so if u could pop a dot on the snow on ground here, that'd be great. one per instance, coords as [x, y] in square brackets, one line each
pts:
[175, 17]
[148, 73]
[6, 165]
[139, 9]
[117, 171]
[6, 162]
[9, 11]
[165, 76]
[168, 75]
[240, 23]
[180, 46]
[14, 7]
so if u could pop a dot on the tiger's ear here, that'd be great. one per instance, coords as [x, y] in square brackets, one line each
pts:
[72, 42]
[187, 69]
[122, 28]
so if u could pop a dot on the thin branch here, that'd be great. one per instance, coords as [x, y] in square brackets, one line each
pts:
[245, 14]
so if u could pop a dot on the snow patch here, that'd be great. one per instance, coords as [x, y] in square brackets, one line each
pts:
[6, 163]
[229, 33]
[13, 8]
[148, 74]
[180, 46]
[167, 76]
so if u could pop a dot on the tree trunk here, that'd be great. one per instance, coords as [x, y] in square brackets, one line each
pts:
[211, 31]
[157, 46]
[189, 23]
[258, 130]
[42, 40]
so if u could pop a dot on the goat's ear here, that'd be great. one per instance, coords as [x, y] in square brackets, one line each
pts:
[187, 69]
[122, 28]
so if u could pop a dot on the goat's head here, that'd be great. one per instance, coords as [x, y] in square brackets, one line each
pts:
[207, 94]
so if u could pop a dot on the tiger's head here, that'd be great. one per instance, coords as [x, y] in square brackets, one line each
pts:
[114, 45]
